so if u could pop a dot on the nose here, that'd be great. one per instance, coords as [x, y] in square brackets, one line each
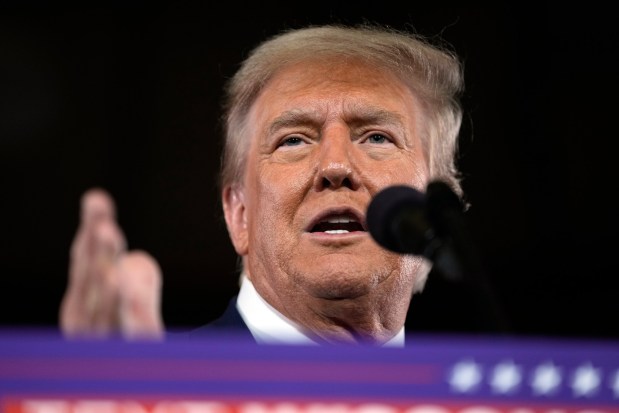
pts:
[336, 167]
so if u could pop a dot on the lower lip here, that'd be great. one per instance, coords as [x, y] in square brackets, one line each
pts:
[336, 237]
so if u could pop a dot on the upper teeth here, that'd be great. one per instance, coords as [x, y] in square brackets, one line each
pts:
[340, 220]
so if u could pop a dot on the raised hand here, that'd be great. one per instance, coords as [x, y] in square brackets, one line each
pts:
[111, 291]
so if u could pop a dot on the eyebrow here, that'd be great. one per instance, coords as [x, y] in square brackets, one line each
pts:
[369, 115]
[359, 115]
[294, 117]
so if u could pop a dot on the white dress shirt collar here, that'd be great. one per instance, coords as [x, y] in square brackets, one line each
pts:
[269, 326]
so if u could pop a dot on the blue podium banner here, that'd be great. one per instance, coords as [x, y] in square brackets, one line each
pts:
[44, 373]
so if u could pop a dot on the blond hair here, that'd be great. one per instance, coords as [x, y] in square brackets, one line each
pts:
[432, 72]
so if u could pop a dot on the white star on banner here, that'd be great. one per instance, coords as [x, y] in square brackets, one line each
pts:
[546, 378]
[506, 377]
[465, 376]
[614, 384]
[586, 380]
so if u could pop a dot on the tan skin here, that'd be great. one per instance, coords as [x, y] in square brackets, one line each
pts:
[326, 138]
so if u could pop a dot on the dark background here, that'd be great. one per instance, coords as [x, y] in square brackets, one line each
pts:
[127, 98]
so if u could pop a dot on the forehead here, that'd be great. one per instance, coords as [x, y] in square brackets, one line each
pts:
[332, 87]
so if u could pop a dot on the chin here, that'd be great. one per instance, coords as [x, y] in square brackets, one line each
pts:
[341, 281]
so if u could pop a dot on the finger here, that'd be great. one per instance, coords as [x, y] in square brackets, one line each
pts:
[98, 233]
[91, 299]
[140, 282]
[96, 204]
[98, 220]
[90, 305]
[102, 300]
[99, 240]
[105, 243]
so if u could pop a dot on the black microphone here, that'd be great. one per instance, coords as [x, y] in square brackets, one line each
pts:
[405, 220]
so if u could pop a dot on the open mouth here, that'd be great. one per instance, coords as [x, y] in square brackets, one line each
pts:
[338, 223]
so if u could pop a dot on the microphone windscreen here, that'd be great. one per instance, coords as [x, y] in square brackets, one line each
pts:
[396, 219]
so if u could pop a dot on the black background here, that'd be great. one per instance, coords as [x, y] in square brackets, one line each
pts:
[127, 98]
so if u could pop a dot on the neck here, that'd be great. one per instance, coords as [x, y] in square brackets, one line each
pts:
[373, 318]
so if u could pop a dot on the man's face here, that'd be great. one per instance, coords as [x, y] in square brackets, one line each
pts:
[325, 138]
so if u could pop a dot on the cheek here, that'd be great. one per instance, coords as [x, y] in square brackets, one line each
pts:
[417, 170]
[403, 172]
[277, 193]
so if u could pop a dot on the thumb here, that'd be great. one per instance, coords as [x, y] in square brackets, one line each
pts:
[140, 282]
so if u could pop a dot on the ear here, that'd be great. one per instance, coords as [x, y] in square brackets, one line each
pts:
[233, 197]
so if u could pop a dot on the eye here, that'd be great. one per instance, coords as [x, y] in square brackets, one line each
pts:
[292, 141]
[377, 138]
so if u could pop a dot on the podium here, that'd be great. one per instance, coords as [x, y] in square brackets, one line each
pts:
[40, 372]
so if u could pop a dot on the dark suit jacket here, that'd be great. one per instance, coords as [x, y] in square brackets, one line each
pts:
[230, 322]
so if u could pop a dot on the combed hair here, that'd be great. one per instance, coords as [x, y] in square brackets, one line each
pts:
[433, 73]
